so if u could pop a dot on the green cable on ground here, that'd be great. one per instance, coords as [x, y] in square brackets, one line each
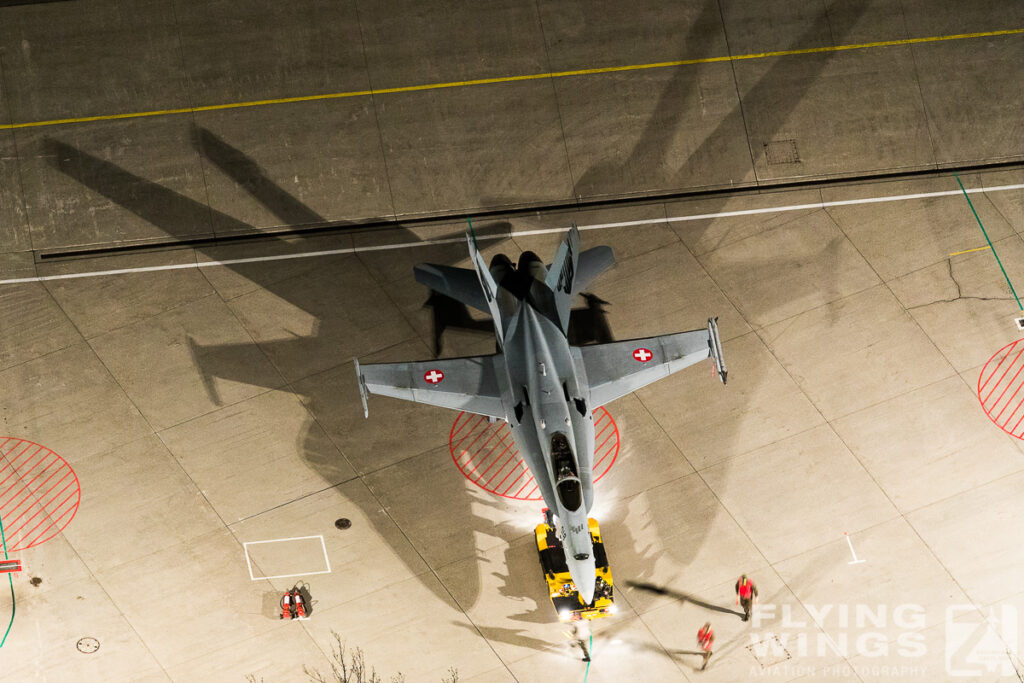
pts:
[590, 655]
[991, 246]
[10, 579]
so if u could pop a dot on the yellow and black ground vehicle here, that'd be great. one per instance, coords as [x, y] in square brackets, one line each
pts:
[561, 589]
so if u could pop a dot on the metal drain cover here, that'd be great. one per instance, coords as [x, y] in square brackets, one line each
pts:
[769, 652]
[781, 152]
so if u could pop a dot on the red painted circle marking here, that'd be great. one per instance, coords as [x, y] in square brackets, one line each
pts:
[433, 376]
[486, 454]
[39, 493]
[643, 355]
[1001, 388]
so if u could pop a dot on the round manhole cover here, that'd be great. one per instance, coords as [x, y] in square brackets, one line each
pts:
[39, 493]
[88, 645]
[342, 523]
[486, 454]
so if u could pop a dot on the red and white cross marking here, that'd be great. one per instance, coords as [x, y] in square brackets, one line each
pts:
[433, 376]
[643, 355]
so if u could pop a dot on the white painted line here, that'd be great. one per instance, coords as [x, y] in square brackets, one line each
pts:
[286, 576]
[326, 559]
[248, 562]
[855, 560]
[323, 545]
[518, 233]
[280, 540]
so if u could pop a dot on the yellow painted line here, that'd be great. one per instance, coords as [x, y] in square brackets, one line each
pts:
[511, 79]
[968, 251]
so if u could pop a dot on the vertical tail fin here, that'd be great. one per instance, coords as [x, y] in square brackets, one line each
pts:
[562, 274]
[490, 289]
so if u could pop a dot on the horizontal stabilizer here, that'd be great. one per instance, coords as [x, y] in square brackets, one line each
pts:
[592, 263]
[461, 284]
[488, 289]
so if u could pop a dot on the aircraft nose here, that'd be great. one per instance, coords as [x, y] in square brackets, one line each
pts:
[580, 557]
[587, 591]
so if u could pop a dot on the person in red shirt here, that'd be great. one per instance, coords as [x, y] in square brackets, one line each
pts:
[705, 637]
[746, 595]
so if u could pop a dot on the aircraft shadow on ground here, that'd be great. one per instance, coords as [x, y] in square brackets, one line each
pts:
[177, 215]
[172, 212]
[683, 88]
[590, 325]
[251, 177]
[447, 313]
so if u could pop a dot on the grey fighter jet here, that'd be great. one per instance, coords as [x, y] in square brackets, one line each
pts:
[544, 388]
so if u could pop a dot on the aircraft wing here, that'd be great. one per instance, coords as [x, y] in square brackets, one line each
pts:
[618, 368]
[469, 384]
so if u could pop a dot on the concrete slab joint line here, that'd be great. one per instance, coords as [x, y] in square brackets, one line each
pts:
[512, 79]
[513, 234]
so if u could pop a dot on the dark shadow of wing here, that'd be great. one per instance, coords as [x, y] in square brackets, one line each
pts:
[174, 213]
[244, 170]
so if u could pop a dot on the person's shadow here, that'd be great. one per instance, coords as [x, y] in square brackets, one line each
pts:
[681, 597]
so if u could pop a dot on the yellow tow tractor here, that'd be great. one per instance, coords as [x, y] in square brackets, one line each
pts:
[563, 593]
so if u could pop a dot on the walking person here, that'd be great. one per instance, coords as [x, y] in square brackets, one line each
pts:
[705, 637]
[578, 635]
[746, 595]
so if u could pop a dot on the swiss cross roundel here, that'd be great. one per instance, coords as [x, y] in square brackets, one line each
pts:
[433, 376]
[643, 355]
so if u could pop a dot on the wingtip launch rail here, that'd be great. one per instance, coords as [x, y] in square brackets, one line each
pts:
[361, 381]
[715, 349]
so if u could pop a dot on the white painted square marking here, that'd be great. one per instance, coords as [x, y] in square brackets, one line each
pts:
[272, 555]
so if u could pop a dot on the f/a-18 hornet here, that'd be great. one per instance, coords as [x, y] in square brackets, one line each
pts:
[545, 389]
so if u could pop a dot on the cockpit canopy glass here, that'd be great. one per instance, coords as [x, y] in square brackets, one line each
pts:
[570, 492]
[561, 453]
